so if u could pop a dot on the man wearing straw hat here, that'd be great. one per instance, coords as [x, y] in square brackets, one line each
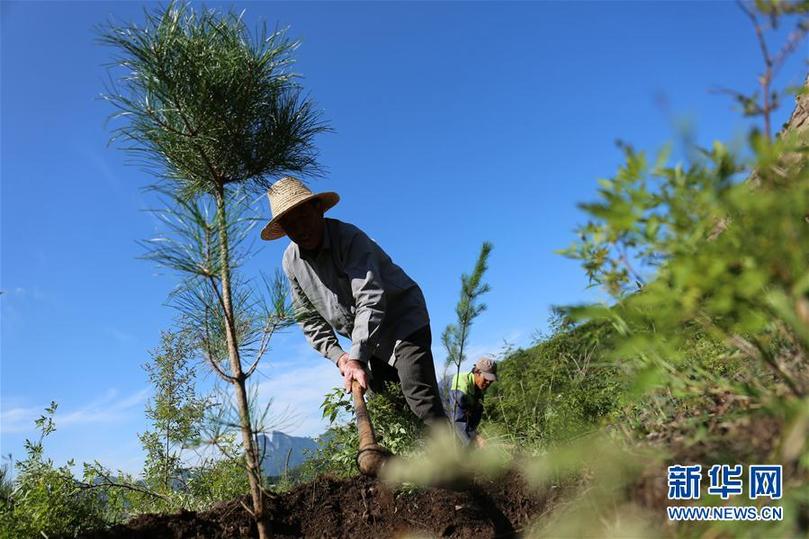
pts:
[342, 281]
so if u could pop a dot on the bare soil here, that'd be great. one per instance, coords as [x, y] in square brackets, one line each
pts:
[359, 508]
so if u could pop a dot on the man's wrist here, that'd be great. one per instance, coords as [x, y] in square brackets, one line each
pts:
[355, 362]
[334, 353]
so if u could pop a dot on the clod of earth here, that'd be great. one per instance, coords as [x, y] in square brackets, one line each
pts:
[360, 508]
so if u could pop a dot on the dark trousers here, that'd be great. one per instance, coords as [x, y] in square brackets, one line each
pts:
[415, 372]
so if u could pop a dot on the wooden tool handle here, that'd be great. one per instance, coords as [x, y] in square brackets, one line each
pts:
[364, 426]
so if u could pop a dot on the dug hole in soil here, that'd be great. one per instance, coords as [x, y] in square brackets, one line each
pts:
[356, 508]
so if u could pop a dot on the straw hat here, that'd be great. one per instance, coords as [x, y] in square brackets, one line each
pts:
[286, 194]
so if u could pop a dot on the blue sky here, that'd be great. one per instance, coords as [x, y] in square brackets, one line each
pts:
[454, 123]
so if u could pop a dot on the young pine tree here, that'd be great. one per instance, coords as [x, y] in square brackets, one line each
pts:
[214, 109]
[456, 336]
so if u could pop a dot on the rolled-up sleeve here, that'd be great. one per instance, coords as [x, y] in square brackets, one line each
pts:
[317, 331]
[362, 267]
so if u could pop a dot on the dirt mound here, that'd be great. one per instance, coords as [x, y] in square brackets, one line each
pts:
[358, 508]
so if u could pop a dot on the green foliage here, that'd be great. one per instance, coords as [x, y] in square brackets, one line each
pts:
[49, 500]
[44, 499]
[338, 445]
[395, 426]
[216, 481]
[175, 410]
[192, 246]
[647, 213]
[704, 352]
[6, 484]
[217, 113]
[558, 389]
[197, 488]
[702, 358]
[456, 336]
[253, 314]
[208, 102]
[732, 285]
[721, 328]
[706, 359]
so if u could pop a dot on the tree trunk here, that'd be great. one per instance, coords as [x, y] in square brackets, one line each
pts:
[239, 385]
[168, 461]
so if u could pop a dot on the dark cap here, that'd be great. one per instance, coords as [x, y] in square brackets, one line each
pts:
[487, 368]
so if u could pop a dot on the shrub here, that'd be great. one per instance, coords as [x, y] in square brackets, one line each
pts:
[44, 499]
[395, 426]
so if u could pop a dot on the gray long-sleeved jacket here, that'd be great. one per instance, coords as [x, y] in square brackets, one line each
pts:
[350, 285]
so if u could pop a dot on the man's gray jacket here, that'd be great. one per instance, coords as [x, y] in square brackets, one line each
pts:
[351, 285]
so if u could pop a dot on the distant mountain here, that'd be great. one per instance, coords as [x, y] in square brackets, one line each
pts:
[277, 446]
